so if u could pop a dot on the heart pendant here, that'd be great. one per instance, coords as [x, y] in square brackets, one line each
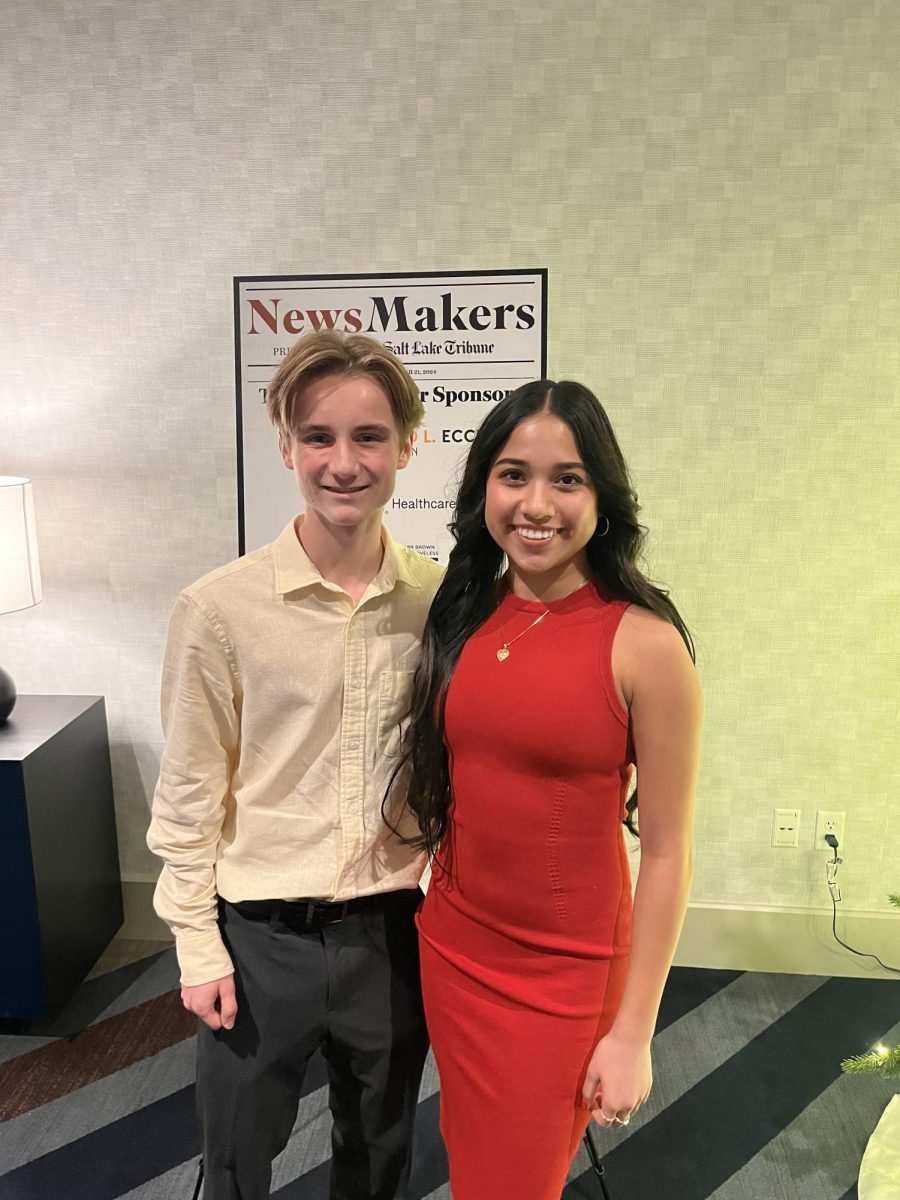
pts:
[502, 654]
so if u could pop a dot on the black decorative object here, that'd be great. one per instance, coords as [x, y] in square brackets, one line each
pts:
[7, 695]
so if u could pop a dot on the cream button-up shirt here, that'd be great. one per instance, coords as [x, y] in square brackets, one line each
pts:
[282, 705]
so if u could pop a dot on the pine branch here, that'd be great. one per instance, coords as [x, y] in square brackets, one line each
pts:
[894, 898]
[883, 1061]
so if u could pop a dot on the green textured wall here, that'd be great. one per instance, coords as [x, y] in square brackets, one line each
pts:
[714, 189]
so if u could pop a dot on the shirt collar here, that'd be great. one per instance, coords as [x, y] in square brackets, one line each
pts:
[396, 564]
[294, 569]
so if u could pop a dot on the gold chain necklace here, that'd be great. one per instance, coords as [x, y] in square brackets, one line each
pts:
[503, 652]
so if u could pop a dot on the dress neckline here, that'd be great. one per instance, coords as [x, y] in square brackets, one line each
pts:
[582, 597]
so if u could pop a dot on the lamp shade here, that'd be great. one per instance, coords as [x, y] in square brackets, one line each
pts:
[20, 571]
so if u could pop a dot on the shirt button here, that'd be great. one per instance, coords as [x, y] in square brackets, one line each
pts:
[354, 745]
[355, 681]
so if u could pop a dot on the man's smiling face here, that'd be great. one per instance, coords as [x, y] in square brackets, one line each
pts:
[344, 449]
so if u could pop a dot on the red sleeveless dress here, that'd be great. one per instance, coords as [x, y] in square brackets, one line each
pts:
[525, 936]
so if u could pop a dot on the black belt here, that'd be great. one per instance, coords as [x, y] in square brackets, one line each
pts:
[306, 915]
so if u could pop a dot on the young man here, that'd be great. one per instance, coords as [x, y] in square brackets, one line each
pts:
[287, 674]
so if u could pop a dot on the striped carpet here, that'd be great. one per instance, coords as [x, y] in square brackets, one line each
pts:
[749, 1102]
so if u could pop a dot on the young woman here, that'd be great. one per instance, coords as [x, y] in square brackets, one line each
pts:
[541, 688]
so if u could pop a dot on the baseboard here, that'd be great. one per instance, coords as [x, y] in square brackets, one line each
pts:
[746, 938]
[799, 941]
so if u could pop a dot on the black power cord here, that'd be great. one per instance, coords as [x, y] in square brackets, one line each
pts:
[199, 1181]
[596, 1162]
[831, 876]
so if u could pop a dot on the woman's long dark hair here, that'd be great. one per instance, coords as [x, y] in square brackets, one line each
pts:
[469, 592]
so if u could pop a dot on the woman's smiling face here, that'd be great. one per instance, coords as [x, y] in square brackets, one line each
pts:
[541, 507]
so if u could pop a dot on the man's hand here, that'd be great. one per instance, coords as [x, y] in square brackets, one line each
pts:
[214, 1002]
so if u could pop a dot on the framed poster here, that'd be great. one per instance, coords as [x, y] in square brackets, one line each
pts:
[468, 338]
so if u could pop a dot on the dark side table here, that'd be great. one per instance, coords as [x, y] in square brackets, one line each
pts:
[60, 892]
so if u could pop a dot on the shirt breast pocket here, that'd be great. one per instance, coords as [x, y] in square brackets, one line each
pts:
[394, 695]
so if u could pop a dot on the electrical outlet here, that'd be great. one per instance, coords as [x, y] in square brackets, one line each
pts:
[786, 827]
[828, 822]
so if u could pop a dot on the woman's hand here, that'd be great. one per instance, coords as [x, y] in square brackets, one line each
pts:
[619, 1078]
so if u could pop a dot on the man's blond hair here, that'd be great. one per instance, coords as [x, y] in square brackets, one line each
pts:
[330, 353]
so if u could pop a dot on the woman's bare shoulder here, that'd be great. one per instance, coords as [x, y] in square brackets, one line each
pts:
[648, 650]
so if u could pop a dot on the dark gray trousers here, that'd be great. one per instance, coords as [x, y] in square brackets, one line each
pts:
[351, 989]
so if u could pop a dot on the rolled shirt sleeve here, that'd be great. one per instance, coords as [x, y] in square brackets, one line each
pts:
[200, 714]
